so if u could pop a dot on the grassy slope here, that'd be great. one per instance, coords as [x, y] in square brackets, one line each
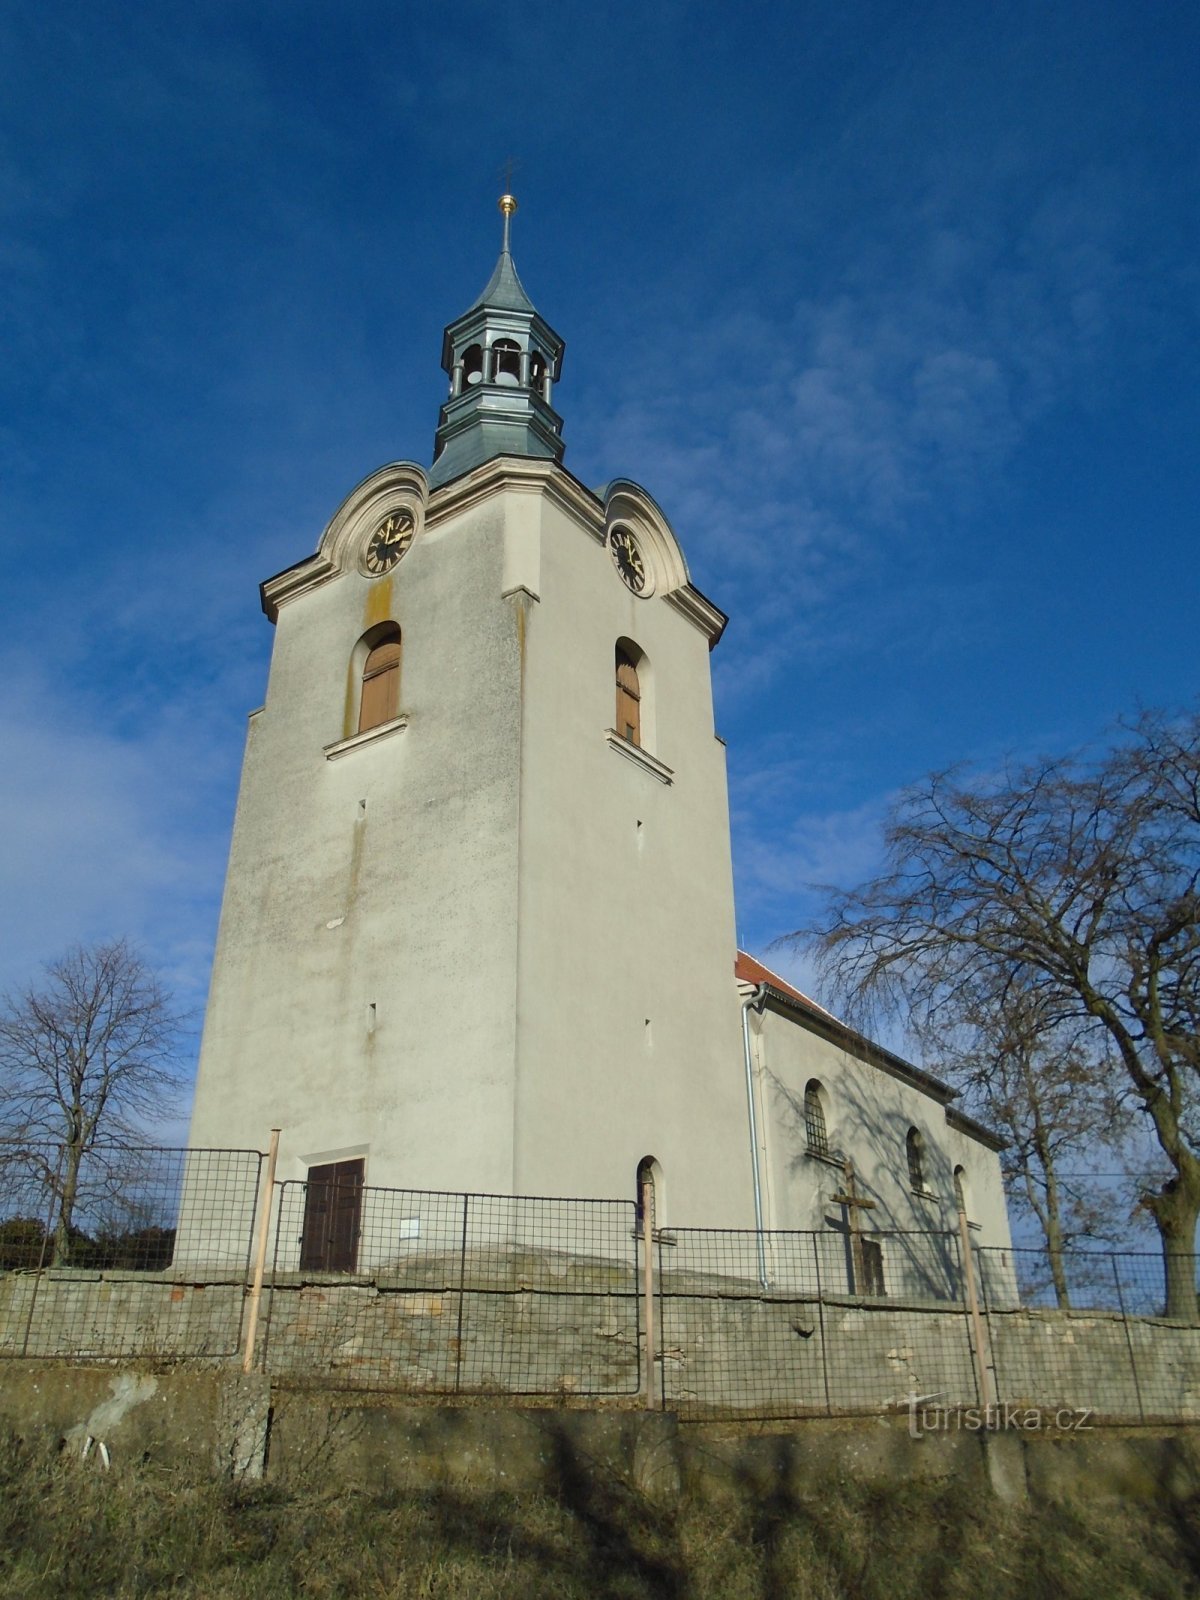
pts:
[68, 1529]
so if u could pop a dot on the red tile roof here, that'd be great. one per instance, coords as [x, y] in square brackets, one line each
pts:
[747, 970]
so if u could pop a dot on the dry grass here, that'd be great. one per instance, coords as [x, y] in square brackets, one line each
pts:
[68, 1529]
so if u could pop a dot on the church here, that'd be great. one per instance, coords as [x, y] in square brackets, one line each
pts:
[478, 924]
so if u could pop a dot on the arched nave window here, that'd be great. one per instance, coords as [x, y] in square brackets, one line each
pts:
[815, 1131]
[916, 1161]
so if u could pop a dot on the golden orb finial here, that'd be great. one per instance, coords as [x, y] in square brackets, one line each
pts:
[508, 205]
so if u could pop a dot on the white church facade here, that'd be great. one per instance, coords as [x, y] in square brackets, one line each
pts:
[478, 923]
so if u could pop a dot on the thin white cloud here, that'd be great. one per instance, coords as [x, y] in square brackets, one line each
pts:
[793, 456]
[108, 835]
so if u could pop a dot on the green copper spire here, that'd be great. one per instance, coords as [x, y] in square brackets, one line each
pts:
[503, 360]
[504, 289]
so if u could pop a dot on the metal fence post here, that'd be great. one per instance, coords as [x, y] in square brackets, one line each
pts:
[260, 1252]
[648, 1282]
[462, 1294]
[821, 1323]
[37, 1281]
[1137, 1388]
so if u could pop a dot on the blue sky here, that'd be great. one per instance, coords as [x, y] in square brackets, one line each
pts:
[893, 308]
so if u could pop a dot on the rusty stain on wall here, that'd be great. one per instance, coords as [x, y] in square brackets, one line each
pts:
[379, 603]
[356, 853]
[521, 603]
[377, 609]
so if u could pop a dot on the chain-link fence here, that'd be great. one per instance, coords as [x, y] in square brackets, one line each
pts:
[1055, 1320]
[152, 1253]
[453, 1293]
[1126, 1281]
[781, 1324]
[93, 1245]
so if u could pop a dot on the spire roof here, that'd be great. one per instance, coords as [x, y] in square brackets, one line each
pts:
[504, 289]
[502, 360]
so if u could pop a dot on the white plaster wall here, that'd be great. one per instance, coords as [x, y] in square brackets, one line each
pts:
[421, 887]
[868, 1114]
[628, 1030]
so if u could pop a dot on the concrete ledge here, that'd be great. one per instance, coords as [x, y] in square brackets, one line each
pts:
[223, 1422]
[217, 1418]
[483, 1448]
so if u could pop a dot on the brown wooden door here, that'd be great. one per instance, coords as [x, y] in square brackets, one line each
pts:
[332, 1217]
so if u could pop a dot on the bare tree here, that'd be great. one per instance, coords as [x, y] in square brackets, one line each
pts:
[1073, 882]
[86, 1062]
[1055, 1102]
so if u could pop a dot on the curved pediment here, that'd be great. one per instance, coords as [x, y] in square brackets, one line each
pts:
[627, 504]
[401, 486]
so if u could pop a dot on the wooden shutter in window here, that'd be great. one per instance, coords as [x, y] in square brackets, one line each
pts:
[629, 708]
[380, 686]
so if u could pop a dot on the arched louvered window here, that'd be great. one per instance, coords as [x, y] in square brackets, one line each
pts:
[649, 1197]
[629, 698]
[916, 1161]
[380, 700]
[814, 1120]
[506, 361]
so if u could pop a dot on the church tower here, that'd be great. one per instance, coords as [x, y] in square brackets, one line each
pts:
[477, 931]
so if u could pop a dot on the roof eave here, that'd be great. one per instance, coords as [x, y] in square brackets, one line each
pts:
[875, 1054]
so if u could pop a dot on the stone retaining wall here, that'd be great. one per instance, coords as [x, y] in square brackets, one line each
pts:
[736, 1353]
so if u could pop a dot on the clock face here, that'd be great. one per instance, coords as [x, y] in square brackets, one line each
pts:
[628, 558]
[389, 542]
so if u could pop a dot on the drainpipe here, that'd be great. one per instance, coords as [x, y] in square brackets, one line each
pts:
[754, 1002]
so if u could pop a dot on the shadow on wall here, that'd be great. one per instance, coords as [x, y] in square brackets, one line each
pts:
[918, 1261]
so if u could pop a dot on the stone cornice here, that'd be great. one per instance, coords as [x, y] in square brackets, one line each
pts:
[857, 1044]
[403, 483]
[529, 473]
[699, 611]
[310, 573]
